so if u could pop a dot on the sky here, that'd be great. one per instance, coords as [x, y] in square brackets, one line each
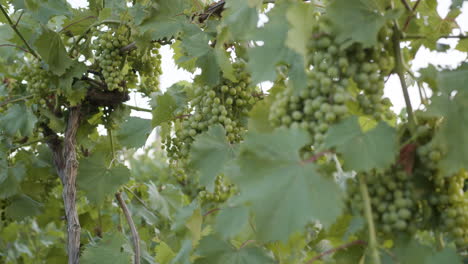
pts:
[172, 74]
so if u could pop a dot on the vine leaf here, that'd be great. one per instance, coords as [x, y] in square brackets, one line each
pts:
[284, 192]
[43, 11]
[452, 136]
[23, 206]
[359, 20]
[240, 18]
[361, 150]
[166, 105]
[183, 256]
[11, 185]
[231, 220]
[209, 154]
[164, 253]
[97, 179]
[166, 20]
[18, 120]
[133, 132]
[214, 251]
[108, 250]
[52, 50]
[74, 91]
[300, 17]
[412, 251]
[261, 64]
[168, 201]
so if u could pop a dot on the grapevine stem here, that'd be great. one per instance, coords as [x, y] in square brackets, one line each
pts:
[407, 6]
[11, 45]
[19, 99]
[12, 25]
[440, 240]
[126, 212]
[139, 109]
[400, 70]
[333, 250]
[370, 221]
[131, 224]
[29, 143]
[461, 36]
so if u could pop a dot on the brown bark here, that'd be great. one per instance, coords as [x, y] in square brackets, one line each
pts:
[66, 164]
[133, 229]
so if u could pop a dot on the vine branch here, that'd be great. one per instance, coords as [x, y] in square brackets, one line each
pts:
[400, 71]
[461, 36]
[76, 22]
[408, 19]
[13, 26]
[333, 250]
[131, 224]
[374, 251]
[18, 47]
[126, 212]
[19, 99]
[139, 108]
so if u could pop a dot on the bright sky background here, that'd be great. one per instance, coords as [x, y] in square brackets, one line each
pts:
[171, 74]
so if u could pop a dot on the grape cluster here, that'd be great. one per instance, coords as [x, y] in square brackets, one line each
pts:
[109, 56]
[394, 207]
[447, 195]
[333, 70]
[226, 104]
[222, 191]
[148, 66]
[38, 82]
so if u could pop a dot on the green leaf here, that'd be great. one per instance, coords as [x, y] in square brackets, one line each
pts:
[231, 220]
[44, 10]
[209, 153]
[259, 115]
[447, 255]
[215, 251]
[22, 206]
[262, 64]
[285, 193]
[183, 256]
[133, 132]
[412, 251]
[18, 120]
[165, 21]
[183, 214]
[452, 136]
[363, 151]
[300, 16]
[74, 91]
[97, 179]
[164, 253]
[462, 45]
[11, 185]
[359, 20]
[107, 251]
[240, 18]
[165, 106]
[80, 22]
[167, 201]
[453, 80]
[52, 50]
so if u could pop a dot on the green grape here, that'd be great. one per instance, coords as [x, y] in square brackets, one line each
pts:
[330, 70]
[226, 104]
[110, 59]
[392, 199]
